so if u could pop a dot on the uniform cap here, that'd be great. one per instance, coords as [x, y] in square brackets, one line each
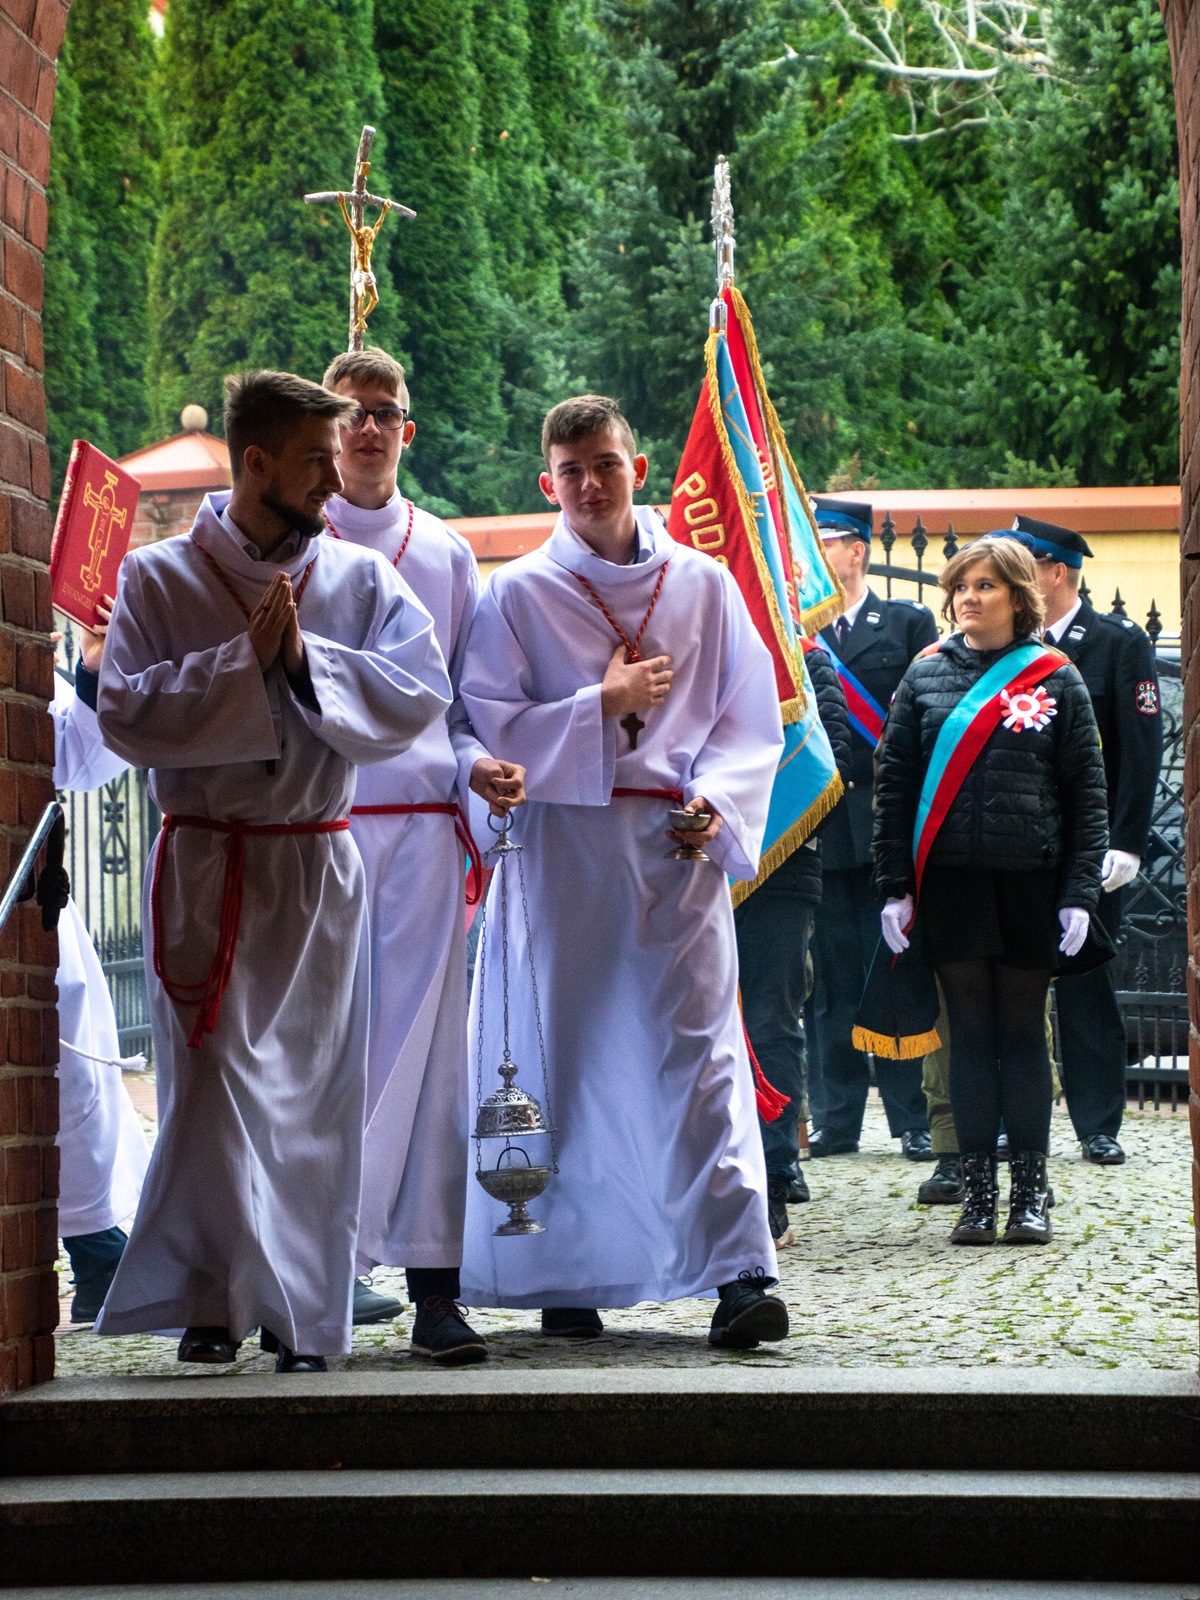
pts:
[1048, 539]
[837, 518]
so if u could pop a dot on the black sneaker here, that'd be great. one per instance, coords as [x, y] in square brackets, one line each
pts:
[371, 1307]
[777, 1216]
[572, 1322]
[944, 1185]
[916, 1144]
[442, 1332]
[747, 1315]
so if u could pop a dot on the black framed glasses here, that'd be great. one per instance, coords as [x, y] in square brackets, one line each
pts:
[387, 418]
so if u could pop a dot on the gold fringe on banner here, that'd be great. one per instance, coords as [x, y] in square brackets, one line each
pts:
[905, 1049]
[791, 710]
[815, 618]
[791, 840]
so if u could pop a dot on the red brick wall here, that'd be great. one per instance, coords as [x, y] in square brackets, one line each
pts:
[1183, 27]
[30, 34]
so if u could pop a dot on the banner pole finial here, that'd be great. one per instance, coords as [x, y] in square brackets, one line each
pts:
[723, 239]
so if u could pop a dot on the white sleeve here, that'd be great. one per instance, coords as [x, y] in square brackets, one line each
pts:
[567, 748]
[207, 709]
[82, 760]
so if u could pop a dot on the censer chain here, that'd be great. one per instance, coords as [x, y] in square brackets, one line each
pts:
[537, 1014]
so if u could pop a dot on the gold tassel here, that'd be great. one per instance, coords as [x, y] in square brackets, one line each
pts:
[792, 839]
[908, 1048]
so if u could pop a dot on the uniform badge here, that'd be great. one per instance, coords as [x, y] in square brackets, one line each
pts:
[1076, 634]
[1146, 698]
[1028, 708]
[874, 618]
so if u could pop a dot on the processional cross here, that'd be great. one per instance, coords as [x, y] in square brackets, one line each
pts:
[364, 291]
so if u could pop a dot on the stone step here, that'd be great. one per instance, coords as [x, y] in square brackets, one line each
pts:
[622, 1589]
[734, 1416]
[228, 1527]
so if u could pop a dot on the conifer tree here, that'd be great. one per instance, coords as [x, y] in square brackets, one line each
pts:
[73, 381]
[263, 100]
[445, 277]
[113, 64]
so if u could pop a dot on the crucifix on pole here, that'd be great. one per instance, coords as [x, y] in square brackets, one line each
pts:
[364, 292]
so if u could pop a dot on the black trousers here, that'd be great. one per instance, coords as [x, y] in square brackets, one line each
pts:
[1092, 1037]
[773, 930]
[845, 934]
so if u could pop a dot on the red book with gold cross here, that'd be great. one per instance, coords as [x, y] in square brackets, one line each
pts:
[91, 532]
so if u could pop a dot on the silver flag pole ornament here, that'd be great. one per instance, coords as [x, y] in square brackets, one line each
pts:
[723, 241]
[510, 1113]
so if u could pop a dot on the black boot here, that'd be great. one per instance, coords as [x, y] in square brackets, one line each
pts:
[777, 1215]
[1029, 1200]
[977, 1224]
[944, 1185]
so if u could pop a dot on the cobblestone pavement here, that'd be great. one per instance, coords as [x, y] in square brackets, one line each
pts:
[872, 1280]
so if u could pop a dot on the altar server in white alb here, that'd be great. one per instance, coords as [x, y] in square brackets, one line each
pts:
[103, 1153]
[409, 821]
[623, 671]
[253, 666]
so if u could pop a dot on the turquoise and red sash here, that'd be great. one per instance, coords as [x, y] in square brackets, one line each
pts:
[965, 732]
[867, 716]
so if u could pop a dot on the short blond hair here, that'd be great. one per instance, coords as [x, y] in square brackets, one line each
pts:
[368, 366]
[1014, 566]
[581, 417]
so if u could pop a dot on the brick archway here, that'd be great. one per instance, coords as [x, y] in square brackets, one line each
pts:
[31, 33]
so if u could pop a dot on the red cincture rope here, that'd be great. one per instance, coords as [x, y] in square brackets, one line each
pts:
[649, 794]
[461, 828]
[206, 994]
[403, 542]
[228, 587]
[633, 651]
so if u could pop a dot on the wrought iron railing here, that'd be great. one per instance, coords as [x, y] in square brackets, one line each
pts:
[1151, 967]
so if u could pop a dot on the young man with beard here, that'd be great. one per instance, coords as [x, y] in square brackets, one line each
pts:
[624, 672]
[409, 822]
[253, 667]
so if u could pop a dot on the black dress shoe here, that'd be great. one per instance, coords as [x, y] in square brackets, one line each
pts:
[442, 1332]
[916, 1144]
[797, 1189]
[1103, 1150]
[777, 1216]
[944, 1185]
[287, 1359]
[572, 1322]
[820, 1143]
[747, 1315]
[209, 1347]
[371, 1307]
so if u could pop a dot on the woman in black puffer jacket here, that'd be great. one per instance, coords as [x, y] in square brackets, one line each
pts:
[1010, 878]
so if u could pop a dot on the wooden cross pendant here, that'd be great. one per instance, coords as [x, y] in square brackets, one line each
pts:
[633, 725]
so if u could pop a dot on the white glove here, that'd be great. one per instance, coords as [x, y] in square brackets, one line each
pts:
[895, 917]
[1119, 869]
[1074, 923]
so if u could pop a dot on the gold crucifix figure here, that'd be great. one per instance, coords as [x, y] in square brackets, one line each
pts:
[364, 290]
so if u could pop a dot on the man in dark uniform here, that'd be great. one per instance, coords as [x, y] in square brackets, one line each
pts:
[871, 646]
[1116, 661]
[773, 927]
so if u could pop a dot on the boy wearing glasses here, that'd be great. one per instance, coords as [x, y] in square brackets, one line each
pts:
[409, 824]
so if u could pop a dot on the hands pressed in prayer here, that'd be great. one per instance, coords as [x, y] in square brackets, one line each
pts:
[634, 685]
[500, 783]
[708, 834]
[91, 640]
[274, 625]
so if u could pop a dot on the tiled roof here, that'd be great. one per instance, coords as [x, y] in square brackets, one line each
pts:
[187, 461]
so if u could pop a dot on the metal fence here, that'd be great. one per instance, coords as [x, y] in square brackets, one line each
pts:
[1151, 964]
[109, 834]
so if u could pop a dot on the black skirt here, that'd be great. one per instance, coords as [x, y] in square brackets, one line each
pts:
[977, 914]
